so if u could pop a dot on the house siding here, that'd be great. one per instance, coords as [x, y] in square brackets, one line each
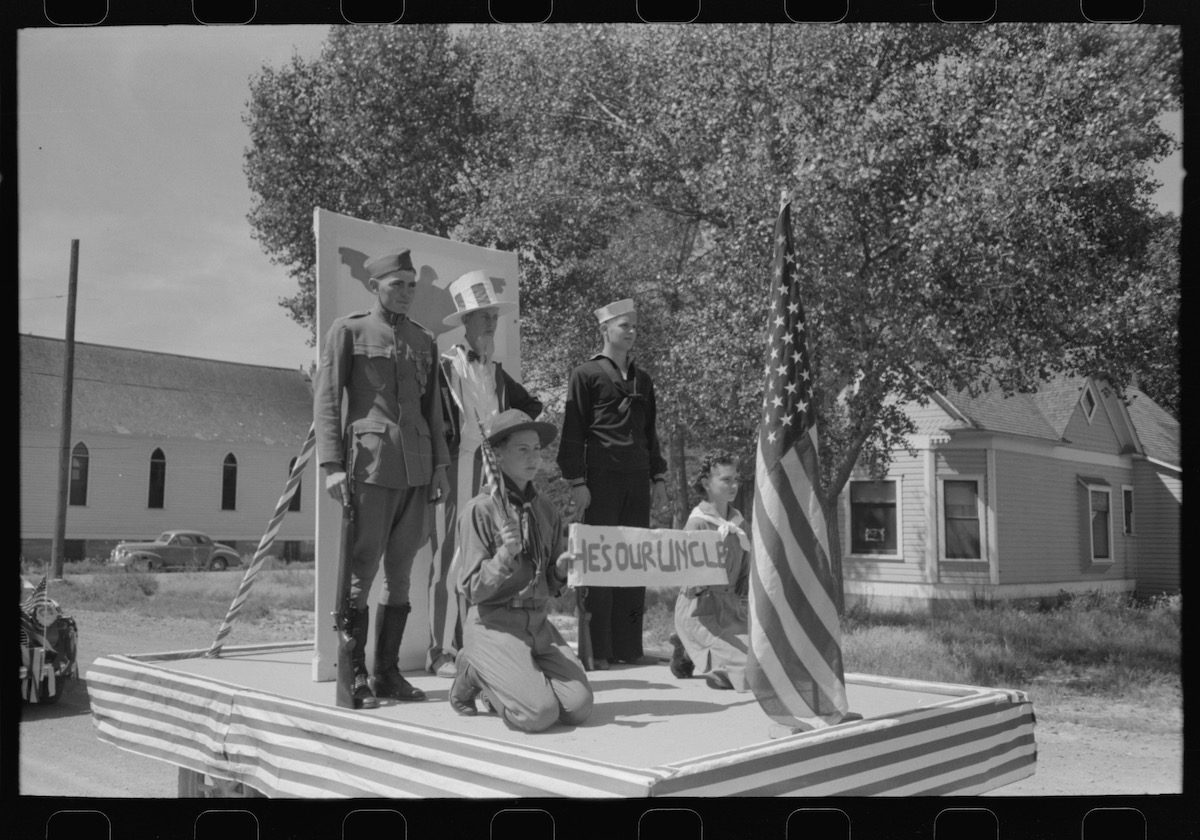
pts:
[1042, 519]
[1098, 435]
[1157, 503]
[118, 489]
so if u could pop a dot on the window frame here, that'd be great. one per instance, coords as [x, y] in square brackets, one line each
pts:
[1128, 510]
[77, 488]
[158, 462]
[980, 512]
[1087, 393]
[1095, 487]
[848, 550]
[229, 481]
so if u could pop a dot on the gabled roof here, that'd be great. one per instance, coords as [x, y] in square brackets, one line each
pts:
[137, 392]
[1045, 414]
[1157, 431]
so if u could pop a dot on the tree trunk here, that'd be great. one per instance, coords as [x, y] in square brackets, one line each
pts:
[679, 470]
[835, 554]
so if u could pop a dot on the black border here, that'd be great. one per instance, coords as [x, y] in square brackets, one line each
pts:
[1166, 816]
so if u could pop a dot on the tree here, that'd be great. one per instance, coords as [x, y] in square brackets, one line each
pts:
[970, 203]
[380, 126]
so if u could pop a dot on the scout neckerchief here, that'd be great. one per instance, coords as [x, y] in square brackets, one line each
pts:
[732, 525]
[532, 546]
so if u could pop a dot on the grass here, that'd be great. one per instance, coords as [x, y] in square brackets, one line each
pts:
[1107, 644]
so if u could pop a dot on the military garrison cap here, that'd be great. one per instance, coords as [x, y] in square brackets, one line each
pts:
[380, 266]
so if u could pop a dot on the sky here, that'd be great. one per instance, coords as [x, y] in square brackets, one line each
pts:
[131, 141]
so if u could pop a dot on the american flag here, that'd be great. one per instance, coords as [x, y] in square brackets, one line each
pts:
[795, 662]
[491, 469]
[38, 598]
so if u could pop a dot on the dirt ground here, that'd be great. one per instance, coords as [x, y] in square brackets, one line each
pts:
[1087, 746]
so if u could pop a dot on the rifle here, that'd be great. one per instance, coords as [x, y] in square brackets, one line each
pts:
[585, 628]
[344, 613]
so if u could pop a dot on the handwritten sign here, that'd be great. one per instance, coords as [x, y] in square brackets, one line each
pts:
[612, 555]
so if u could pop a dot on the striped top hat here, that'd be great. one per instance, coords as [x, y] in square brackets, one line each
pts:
[473, 291]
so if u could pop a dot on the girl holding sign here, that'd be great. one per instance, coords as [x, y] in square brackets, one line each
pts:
[711, 621]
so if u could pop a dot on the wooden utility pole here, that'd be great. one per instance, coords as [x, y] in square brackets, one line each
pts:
[64, 447]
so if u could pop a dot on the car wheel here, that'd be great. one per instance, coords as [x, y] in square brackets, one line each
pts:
[138, 564]
[218, 564]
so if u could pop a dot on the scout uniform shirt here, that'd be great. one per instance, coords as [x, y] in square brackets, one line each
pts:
[384, 364]
[532, 580]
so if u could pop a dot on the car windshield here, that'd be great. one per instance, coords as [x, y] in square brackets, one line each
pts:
[165, 536]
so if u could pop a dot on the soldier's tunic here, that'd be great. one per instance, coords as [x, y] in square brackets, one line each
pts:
[471, 388]
[711, 621]
[529, 674]
[609, 441]
[381, 366]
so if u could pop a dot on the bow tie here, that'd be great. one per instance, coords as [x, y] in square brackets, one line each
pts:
[472, 356]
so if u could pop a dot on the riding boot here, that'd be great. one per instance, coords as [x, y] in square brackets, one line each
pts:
[360, 688]
[388, 681]
[465, 689]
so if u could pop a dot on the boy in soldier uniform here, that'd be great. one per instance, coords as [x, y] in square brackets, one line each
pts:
[387, 461]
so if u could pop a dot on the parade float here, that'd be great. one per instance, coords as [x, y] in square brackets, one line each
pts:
[261, 720]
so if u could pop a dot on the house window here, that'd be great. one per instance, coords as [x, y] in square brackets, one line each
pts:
[1098, 510]
[79, 475]
[294, 504]
[1089, 402]
[229, 483]
[961, 520]
[1127, 507]
[158, 479]
[873, 518]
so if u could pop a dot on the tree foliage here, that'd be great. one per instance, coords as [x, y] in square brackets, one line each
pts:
[378, 127]
[972, 205]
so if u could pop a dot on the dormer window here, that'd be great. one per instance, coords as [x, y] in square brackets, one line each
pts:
[1089, 402]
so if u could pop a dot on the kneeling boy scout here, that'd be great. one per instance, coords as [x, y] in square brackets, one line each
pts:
[512, 563]
[387, 461]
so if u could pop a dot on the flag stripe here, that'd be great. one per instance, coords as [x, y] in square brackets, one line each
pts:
[810, 629]
[790, 526]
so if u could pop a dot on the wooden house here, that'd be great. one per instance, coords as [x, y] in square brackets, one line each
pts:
[1066, 489]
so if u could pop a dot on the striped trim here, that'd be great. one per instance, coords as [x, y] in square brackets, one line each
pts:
[284, 747]
[936, 751]
[972, 741]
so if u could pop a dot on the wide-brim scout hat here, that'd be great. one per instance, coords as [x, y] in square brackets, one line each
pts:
[382, 266]
[473, 291]
[514, 420]
[614, 310]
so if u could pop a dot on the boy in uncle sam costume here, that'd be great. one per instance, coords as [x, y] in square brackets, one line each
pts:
[611, 457]
[475, 388]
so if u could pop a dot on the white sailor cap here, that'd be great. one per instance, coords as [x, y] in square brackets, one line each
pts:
[614, 310]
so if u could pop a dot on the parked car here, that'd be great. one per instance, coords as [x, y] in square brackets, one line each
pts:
[175, 550]
[49, 641]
